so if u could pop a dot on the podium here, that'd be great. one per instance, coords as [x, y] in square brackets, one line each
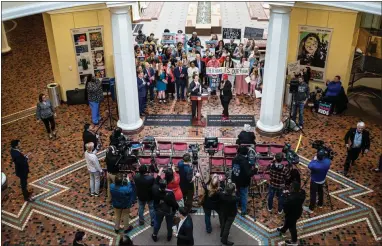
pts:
[200, 120]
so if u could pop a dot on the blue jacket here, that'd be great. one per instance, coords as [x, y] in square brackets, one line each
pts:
[333, 89]
[177, 74]
[141, 87]
[319, 169]
[122, 196]
[184, 169]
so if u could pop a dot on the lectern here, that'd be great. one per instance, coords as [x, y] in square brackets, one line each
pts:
[199, 120]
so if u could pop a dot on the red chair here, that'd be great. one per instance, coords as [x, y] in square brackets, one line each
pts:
[164, 146]
[276, 148]
[230, 150]
[228, 163]
[147, 147]
[262, 149]
[176, 159]
[163, 161]
[216, 163]
[144, 160]
[264, 161]
[179, 147]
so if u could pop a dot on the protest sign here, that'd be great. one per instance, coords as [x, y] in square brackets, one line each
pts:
[212, 43]
[254, 33]
[231, 33]
[168, 38]
[230, 71]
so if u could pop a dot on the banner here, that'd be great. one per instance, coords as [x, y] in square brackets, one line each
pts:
[230, 71]
[212, 43]
[324, 108]
[294, 68]
[253, 33]
[168, 38]
[313, 49]
[231, 33]
[88, 46]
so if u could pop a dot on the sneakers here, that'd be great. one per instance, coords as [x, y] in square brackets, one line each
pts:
[307, 209]
[229, 243]
[50, 136]
[154, 237]
[281, 234]
[243, 214]
[141, 222]
[96, 194]
[289, 242]
[281, 212]
[91, 194]
[269, 209]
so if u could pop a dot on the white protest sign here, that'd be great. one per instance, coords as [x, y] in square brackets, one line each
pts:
[230, 71]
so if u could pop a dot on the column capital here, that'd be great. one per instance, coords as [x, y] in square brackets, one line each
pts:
[281, 7]
[119, 7]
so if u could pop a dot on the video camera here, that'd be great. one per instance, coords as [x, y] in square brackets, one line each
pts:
[320, 145]
[211, 145]
[194, 149]
[290, 155]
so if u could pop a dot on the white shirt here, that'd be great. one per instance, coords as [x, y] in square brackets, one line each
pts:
[92, 162]
[180, 225]
[191, 71]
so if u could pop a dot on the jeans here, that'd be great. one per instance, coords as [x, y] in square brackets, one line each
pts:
[180, 89]
[314, 188]
[299, 105]
[121, 213]
[159, 216]
[226, 223]
[352, 156]
[243, 194]
[290, 223]
[95, 179]
[50, 121]
[141, 209]
[207, 219]
[278, 192]
[94, 107]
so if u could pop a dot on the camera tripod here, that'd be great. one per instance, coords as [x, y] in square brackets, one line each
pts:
[252, 193]
[106, 87]
[287, 121]
[325, 186]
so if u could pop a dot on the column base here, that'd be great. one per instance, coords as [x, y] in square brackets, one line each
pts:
[267, 131]
[5, 50]
[132, 128]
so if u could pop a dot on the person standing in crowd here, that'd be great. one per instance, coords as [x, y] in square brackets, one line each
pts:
[94, 169]
[300, 99]
[122, 198]
[185, 230]
[144, 183]
[195, 89]
[152, 59]
[79, 238]
[191, 71]
[137, 50]
[241, 84]
[21, 168]
[140, 38]
[231, 46]
[241, 176]
[248, 48]
[88, 135]
[247, 136]
[161, 83]
[95, 97]
[45, 113]
[192, 41]
[164, 205]
[149, 76]
[306, 74]
[293, 211]
[225, 95]
[319, 168]
[170, 90]
[212, 63]
[173, 180]
[111, 160]
[228, 63]
[214, 37]
[239, 52]
[219, 49]
[179, 51]
[180, 73]
[332, 92]
[141, 93]
[185, 60]
[187, 179]
[228, 211]
[357, 140]
[211, 200]
[201, 65]
[279, 176]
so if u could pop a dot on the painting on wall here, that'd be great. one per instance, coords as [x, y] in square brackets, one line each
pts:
[88, 46]
[313, 49]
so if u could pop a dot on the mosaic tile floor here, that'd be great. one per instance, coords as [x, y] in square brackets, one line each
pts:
[59, 181]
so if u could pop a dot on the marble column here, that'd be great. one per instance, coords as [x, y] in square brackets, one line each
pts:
[4, 41]
[136, 11]
[274, 71]
[124, 68]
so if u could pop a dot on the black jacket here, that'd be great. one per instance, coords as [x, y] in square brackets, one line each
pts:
[21, 163]
[164, 200]
[144, 186]
[202, 68]
[365, 143]
[246, 138]
[211, 202]
[111, 162]
[246, 172]
[196, 91]
[89, 137]
[186, 233]
[293, 204]
[228, 205]
[227, 90]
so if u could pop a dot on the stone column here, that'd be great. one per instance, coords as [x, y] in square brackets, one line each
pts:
[136, 11]
[124, 68]
[270, 122]
[4, 41]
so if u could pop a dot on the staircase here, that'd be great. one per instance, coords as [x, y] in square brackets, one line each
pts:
[364, 67]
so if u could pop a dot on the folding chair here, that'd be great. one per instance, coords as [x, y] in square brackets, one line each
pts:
[144, 160]
[264, 161]
[164, 147]
[228, 163]
[262, 149]
[230, 150]
[218, 149]
[216, 163]
[179, 147]
[146, 147]
[276, 148]
[163, 161]
[262, 177]
[175, 160]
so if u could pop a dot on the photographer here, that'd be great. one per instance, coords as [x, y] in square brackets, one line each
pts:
[319, 168]
[116, 137]
[187, 179]
[241, 176]
[279, 176]
[111, 159]
[122, 197]
[210, 200]
[246, 136]
[144, 184]
[228, 211]
[293, 211]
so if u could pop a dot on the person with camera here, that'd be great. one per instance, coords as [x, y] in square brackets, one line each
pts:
[319, 168]
[122, 197]
[173, 183]
[94, 169]
[144, 184]
[241, 176]
[357, 140]
[165, 206]
[112, 158]
[185, 230]
[116, 137]
[211, 200]
[228, 211]
[279, 176]
[300, 98]
[293, 210]
[187, 179]
[88, 135]
[247, 136]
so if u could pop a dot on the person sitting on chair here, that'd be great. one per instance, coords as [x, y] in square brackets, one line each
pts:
[333, 95]
[246, 136]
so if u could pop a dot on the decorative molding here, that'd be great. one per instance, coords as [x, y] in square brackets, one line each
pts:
[367, 7]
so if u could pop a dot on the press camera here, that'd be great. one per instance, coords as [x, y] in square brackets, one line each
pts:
[290, 155]
[194, 150]
[320, 145]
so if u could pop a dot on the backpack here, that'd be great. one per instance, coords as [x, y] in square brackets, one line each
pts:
[251, 156]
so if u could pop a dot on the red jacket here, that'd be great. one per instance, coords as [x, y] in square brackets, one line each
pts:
[174, 186]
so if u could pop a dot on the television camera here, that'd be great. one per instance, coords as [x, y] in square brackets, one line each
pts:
[320, 145]
[211, 145]
[290, 155]
[194, 150]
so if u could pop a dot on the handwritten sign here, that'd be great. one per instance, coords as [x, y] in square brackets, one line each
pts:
[231, 33]
[324, 108]
[294, 67]
[168, 38]
[254, 33]
[212, 43]
[230, 71]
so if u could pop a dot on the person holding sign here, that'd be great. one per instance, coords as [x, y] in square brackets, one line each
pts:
[241, 85]
[219, 49]
[192, 41]
[228, 63]
[225, 95]
[231, 46]
[161, 83]
[195, 90]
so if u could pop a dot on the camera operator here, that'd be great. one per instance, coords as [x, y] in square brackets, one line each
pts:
[111, 160]
[241, 176]
[144, 185]
[246, 136]
[279, 176]
[293, 211]
[319, 168]
[88, 135]
[122, 197]
[187, 179]
[116, 137]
